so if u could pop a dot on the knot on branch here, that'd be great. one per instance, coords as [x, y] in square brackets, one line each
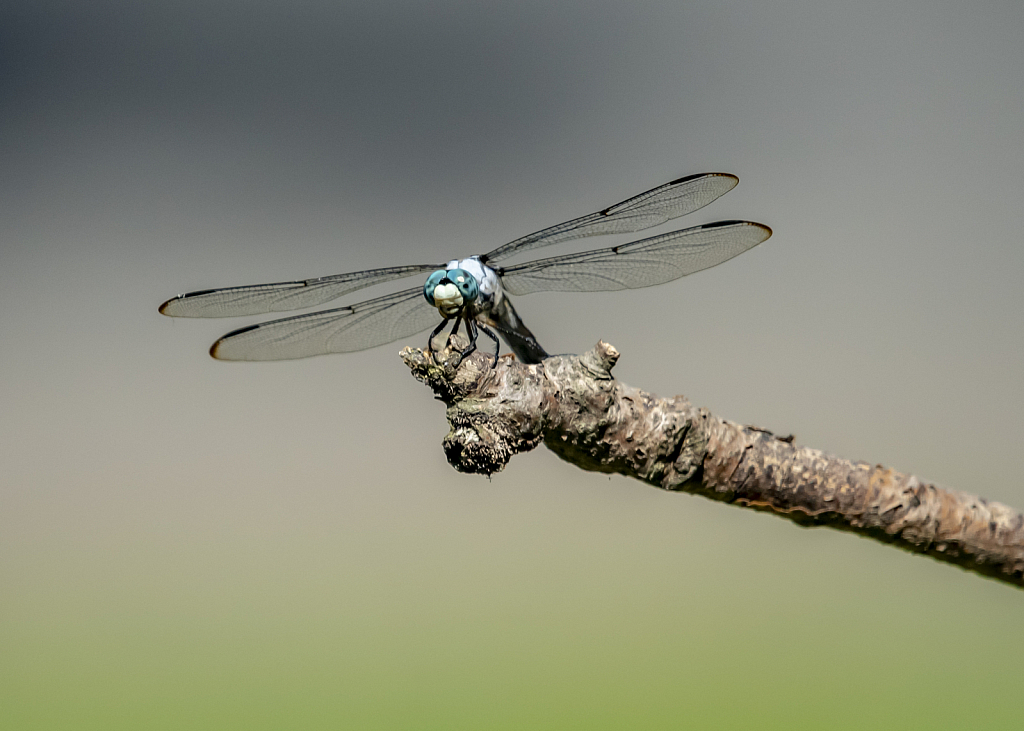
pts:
[487, 419]
[600, 360]
[496, 410]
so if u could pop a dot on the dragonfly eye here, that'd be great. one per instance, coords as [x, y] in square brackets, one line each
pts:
[466, 282]
[431, 284]
[451, 288]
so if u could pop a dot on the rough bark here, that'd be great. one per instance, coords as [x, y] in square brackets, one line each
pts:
[574, 406]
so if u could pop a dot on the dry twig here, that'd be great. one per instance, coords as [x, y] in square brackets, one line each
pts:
[574, 406]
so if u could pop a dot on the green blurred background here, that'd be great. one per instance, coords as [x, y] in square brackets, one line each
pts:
[187, 544]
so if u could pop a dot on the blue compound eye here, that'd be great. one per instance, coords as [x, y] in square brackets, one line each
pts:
[431, 284]
[466, 283]
[449, 290]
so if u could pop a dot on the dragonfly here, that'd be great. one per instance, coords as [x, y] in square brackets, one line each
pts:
[474, 292]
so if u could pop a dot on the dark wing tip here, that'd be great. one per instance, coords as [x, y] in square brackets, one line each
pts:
[165, 305]
[765, 229]
[215, 348]
[719, 224]
[705, 175]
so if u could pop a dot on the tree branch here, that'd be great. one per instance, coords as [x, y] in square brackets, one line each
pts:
[574, 406]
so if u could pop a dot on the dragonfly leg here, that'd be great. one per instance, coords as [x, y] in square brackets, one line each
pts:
[458, 321]
[492, 336]
[471, 330]
[433, 334]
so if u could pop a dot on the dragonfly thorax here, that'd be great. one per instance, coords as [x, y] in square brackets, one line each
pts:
[486, 278]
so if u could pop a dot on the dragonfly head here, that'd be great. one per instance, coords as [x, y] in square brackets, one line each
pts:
[449, 290]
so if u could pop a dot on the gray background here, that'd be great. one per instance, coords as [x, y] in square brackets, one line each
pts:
[188, 542]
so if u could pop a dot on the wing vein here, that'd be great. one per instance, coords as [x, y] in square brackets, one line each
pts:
[341, 330]
[651, 208]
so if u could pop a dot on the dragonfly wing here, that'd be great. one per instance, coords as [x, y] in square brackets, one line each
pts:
[643, 263]
[640, 212]
[282, 296]
[342, 330]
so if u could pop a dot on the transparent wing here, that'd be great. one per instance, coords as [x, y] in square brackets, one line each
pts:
[282, 296]
[643, 263]
[648, 209]
[343, 330]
